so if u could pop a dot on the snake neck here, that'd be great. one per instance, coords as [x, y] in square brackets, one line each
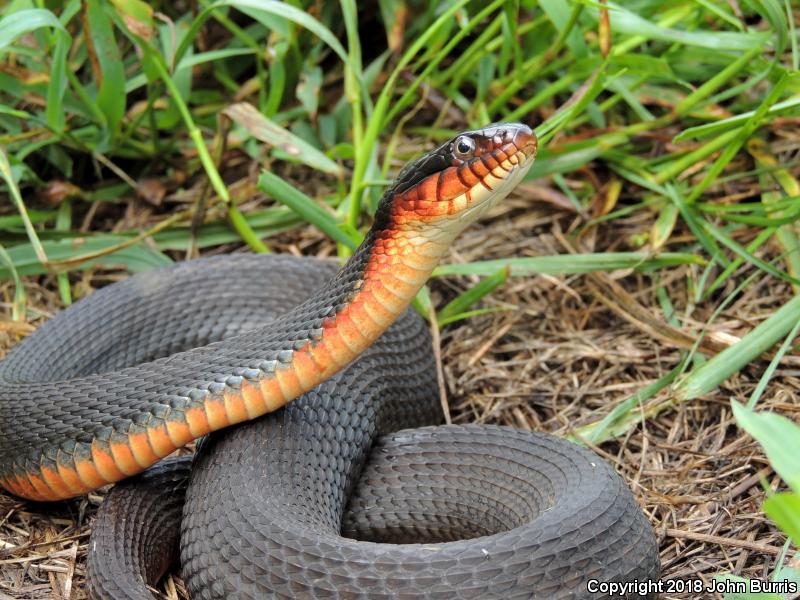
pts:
[336, 325]
[371, 291]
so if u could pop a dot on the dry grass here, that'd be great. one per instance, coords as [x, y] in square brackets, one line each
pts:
[562, 359]
[561, 356]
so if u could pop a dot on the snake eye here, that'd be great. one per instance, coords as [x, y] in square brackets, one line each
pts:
[463, 147]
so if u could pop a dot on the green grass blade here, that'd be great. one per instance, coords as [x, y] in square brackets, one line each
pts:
[765, 378]
[365, 156]
[626, 22]
[790, 107]
[461, 303]
[749, 257]
[708, 376]
[267, 222]
[7, 175]
[762, 237]
[664, 225]
[305, 207]
[787, 234]
[589, 91]
[568, 264]
[63, 223]
[54, 112]
[20, 298]
[468, 314]
[21, 22]
[732, 148]
[138, 257]
[696, 225]
[273, 7]
[717, 81]
[624, 415]
[109, 69]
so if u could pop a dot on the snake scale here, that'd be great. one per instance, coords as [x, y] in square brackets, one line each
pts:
[349, 491]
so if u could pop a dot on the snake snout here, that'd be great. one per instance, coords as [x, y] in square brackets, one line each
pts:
[511, 138]
[525, 140]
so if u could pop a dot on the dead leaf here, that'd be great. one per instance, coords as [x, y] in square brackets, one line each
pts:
[151, 190]
[57, 191]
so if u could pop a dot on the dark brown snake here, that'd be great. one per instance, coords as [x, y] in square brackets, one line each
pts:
[328, 497]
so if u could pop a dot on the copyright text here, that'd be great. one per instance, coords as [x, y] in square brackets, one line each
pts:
[646, 587]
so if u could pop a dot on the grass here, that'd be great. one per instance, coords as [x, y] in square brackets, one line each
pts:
[134, 134]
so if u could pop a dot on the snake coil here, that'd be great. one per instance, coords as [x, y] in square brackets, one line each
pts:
[331, 496]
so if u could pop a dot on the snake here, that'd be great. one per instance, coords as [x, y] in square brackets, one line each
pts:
[338, 479]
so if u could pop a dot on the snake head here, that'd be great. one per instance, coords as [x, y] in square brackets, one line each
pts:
[439, 194]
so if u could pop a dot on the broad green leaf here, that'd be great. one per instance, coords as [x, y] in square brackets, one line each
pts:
[789, 574]
[779, 437]
[784, 509]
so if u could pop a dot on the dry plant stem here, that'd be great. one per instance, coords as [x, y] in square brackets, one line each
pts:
[614, 296]
[64, 265]
[723, 541]
[437, 353]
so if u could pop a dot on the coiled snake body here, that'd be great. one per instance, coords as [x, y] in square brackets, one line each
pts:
[320, 499]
